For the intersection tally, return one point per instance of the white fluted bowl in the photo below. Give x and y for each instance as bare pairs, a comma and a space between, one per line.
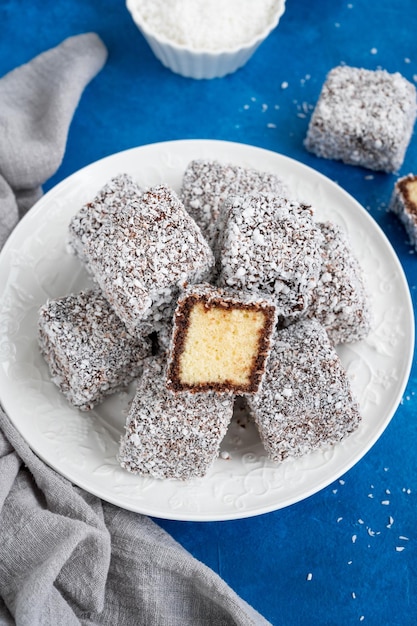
193, 62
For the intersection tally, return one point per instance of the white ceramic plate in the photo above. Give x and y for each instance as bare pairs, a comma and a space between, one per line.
34, 266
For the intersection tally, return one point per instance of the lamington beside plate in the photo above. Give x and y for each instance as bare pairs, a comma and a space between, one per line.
363, 117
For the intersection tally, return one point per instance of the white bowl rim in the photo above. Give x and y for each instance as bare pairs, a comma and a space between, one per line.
255, 41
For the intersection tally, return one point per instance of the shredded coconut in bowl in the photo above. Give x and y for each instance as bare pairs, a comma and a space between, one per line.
208, 24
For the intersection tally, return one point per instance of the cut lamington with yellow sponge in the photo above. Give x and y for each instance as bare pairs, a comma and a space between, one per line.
404, 205
221, 340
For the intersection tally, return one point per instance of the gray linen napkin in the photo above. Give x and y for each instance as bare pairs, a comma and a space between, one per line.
66, 557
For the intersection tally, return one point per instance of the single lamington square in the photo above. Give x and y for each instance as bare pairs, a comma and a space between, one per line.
207, 184
340, 301
271, 245
221, 341
404, 205
114, 197
305, 401
88, 349
169, 435
141, 258
363, 117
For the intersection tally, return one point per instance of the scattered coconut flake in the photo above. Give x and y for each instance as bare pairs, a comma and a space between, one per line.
354, 537
399, 548
284, 85
309, 576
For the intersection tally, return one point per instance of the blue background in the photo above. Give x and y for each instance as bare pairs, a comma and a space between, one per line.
134, 101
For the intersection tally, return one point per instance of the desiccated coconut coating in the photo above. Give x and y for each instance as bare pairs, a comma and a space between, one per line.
114, 197
404, 205
170, 435
221, 340
142, 256
305, 401
88, 349
271, 245
340, 302
363, 117
206, 185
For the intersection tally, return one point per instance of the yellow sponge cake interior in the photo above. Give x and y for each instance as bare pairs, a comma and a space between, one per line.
219, 343
408, 188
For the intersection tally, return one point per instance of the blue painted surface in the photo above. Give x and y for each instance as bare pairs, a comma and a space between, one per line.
134, 101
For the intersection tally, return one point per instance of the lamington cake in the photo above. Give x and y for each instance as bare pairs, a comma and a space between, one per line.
114, 197
140, 258
305, 401
272, 245
88, 349
207, 184
169, 435
363, 117
221, 340
404, 205
340, 301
